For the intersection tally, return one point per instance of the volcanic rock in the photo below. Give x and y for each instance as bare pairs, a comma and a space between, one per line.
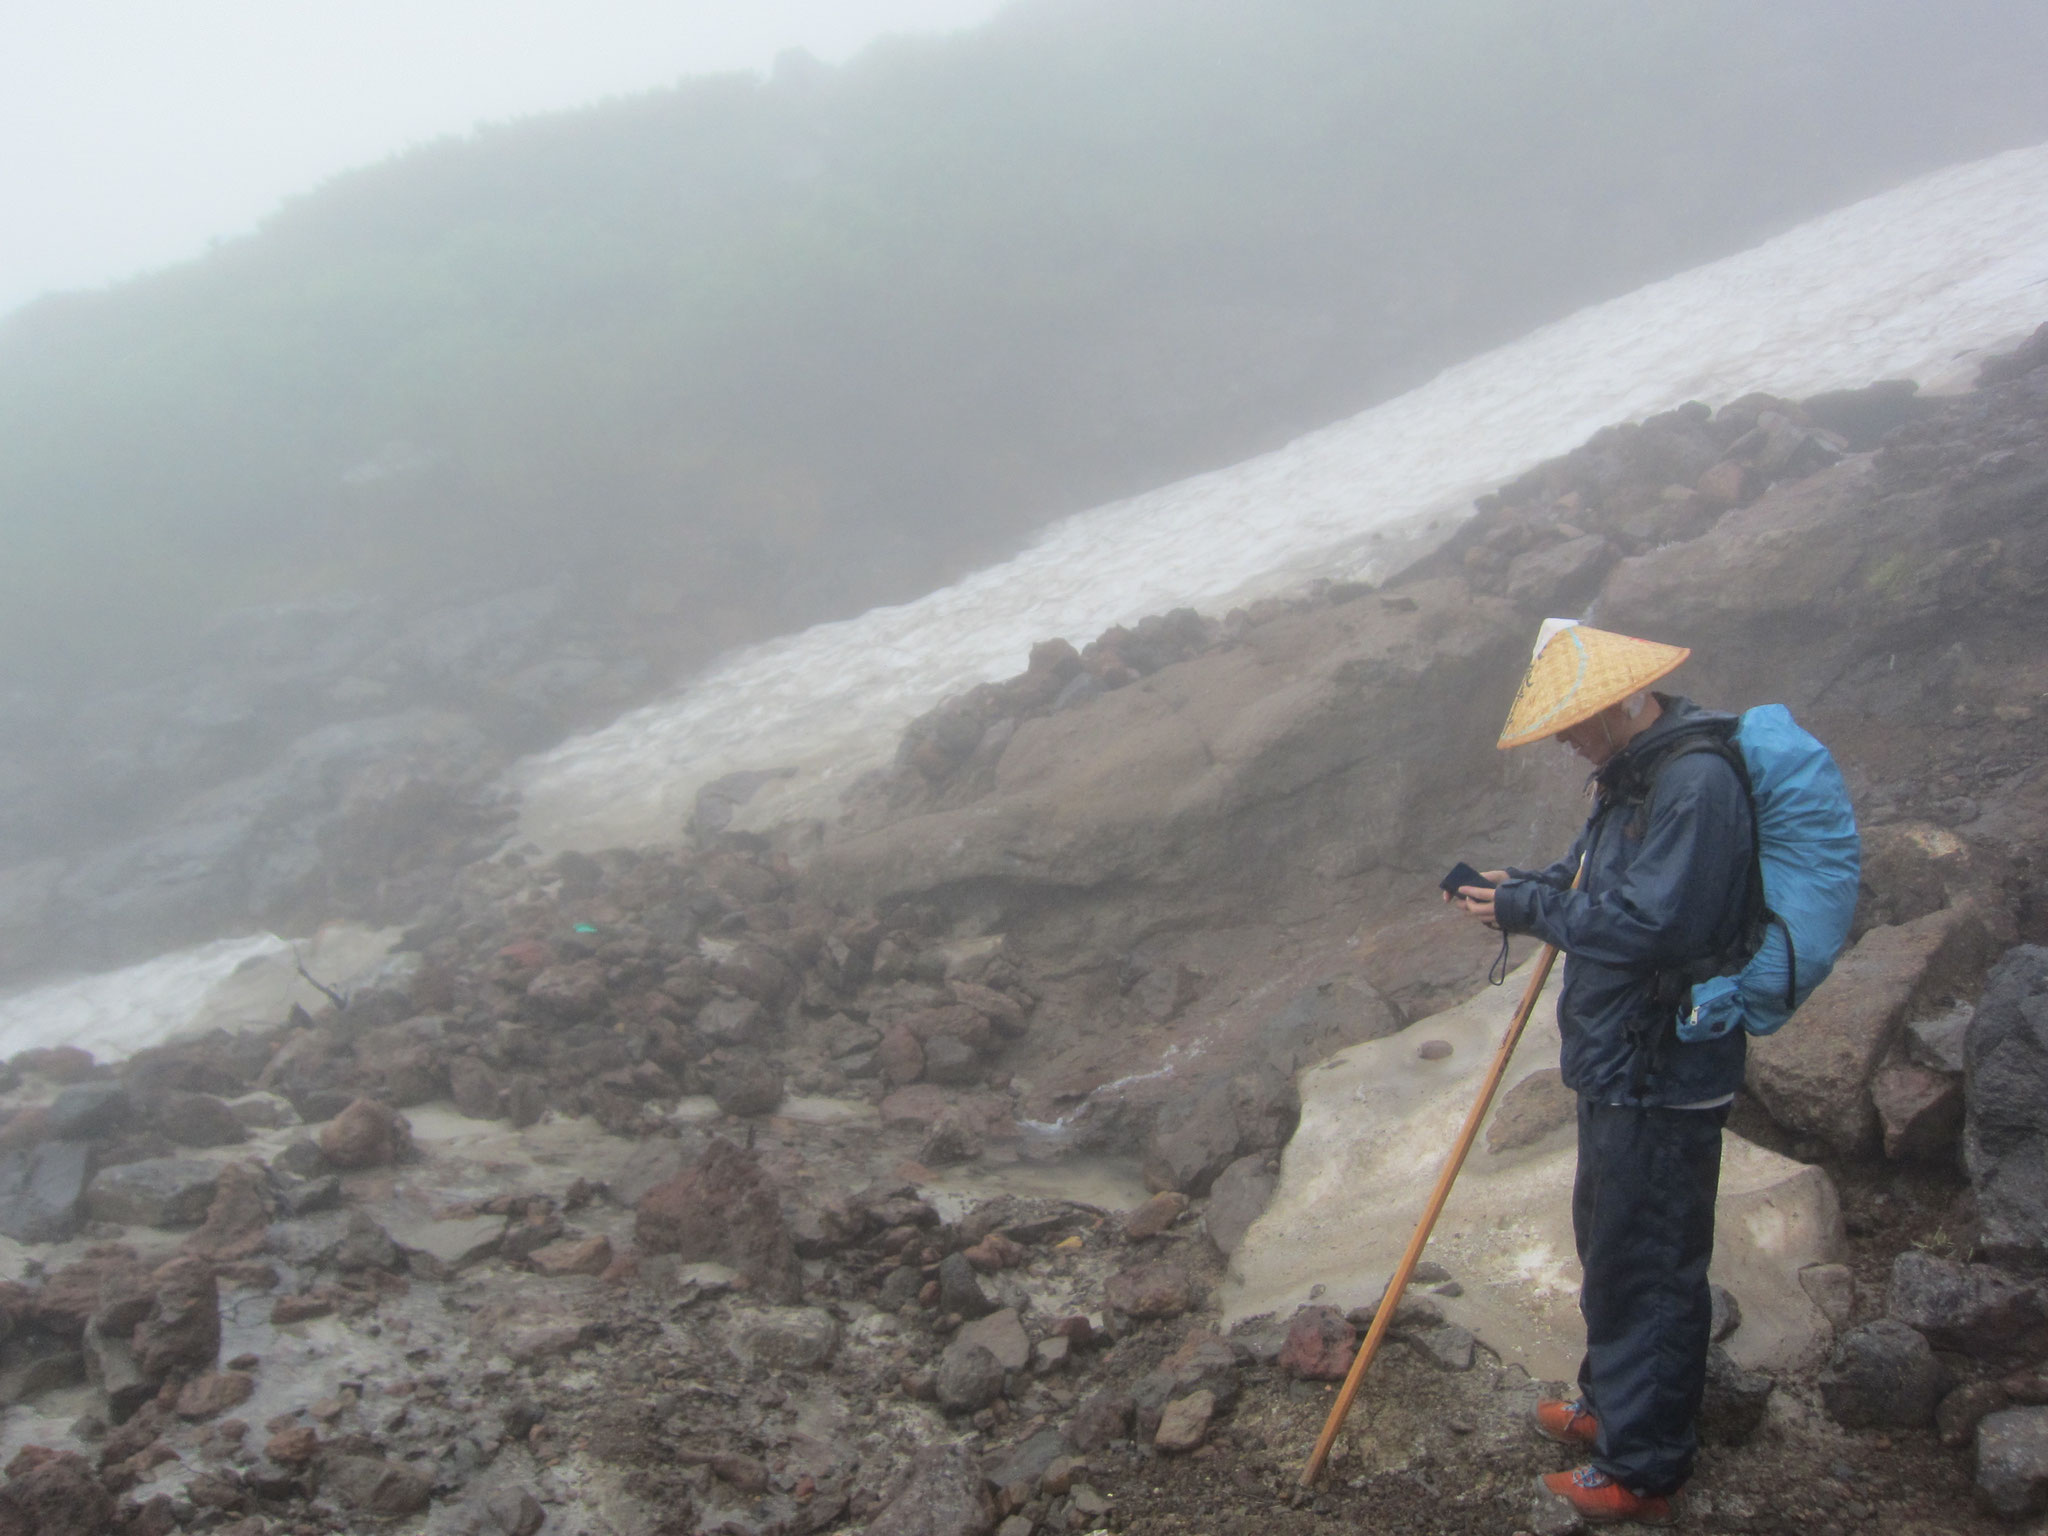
57, 1496
386, 1489
1320, 1344
1883, 1375
970, 1378
1975, 1308
156, 1192
1149, 1291
1184, 1424
1920, 1111
2012, 1461
945, 1496
41, 1189
2005, 1131
725, 1210
366, 1134
1236, 1200
199, 1120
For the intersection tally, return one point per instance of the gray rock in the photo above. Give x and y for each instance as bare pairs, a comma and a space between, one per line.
156, 1192
969, 1378
1446, 1346
1197, 1135
199, 1120
790, 1339
1938, 1043
86, 1111
1733, 1408
1919, 1110
435, 1247
746, 1083
41, 1188
1975, 1308
1832, 1288
960, 1291
1883, 1375
1184, 1424
945, 1496
1550, 1515
1023, 1465
2005, 1128
375, 1486
110, 1365
1001, 1333
1236, 1200
1956, 1420
1727, 1313
2012, 1461
1815, 1080
365, 1245
1537, 1105
952, 1061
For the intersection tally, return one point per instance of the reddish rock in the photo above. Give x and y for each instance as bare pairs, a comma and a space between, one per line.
725, 1210
54, 1495
1155, 1215
575, 1256
900, 1055
1320, 1344
1004, 1013
1150, 1290
994, 1252
293, 1447
569, 992
1103, 1418
365, 1135
237, 1223
299, 1309
182, 1331
77, 1291
214, 1392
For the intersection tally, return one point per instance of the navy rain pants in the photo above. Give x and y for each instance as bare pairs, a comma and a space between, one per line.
1643, 1217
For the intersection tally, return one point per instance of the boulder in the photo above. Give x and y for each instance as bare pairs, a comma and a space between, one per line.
2005, 1124
156, 1192
1883, 1375
1002, 1334
1184, 1424
1154, 1216
110, 1365
1919, 1111
366, 1134
1197, 1135
2012, 1461
1976, 1309
1814, 1078
56, 1494
1149, 1291
199, 1120
969, 1378
1537, 1105
181, 1333
746, 1083
41, 1188
1320, 1344
945, 1495
237, 1224
1103, 1418
960, 1293
570, 992
475, 1089
1733, 1407
790, 1339
212, 1393
89, 1111
1236, 1198
725, 1210
374, 1486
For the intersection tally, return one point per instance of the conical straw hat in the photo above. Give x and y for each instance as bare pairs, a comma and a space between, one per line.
1577, 672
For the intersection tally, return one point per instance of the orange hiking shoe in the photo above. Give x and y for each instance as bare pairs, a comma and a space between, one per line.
1567, 1423
1600, 1500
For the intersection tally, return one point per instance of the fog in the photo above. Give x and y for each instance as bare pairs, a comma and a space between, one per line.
485, 436
139, 133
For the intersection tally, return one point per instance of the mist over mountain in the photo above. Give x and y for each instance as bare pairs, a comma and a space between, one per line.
733, 357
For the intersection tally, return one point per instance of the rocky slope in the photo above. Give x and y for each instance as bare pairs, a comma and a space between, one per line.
888, 1175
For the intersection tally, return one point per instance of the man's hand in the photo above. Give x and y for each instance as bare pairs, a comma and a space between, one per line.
1476, 901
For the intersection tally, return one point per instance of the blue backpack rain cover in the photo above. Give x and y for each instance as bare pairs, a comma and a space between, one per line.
1812, 868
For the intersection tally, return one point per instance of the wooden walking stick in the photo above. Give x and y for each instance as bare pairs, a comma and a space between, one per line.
1391, 1301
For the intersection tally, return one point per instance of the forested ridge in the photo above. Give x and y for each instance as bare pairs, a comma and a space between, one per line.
742, 354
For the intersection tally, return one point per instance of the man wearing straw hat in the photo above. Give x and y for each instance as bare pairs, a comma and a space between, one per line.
1662, 883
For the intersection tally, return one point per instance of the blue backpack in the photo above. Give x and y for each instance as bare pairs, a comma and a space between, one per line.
1808, 866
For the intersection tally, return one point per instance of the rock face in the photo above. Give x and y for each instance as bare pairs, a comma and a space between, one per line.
725, 1210
1814, 1076
1883, 1375
945, 1496
1320, 1345
2005, 1131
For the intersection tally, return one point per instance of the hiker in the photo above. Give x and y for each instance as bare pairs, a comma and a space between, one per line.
1666, 885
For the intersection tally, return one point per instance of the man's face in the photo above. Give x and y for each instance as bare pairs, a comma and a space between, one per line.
1591, 739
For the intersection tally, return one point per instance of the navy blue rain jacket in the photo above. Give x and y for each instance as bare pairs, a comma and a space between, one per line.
1665, 885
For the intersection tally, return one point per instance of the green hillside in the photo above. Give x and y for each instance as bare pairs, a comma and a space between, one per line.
745, 354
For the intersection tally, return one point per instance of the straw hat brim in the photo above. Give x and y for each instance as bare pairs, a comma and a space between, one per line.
1580, 672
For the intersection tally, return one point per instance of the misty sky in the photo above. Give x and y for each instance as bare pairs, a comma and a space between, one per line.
133, 132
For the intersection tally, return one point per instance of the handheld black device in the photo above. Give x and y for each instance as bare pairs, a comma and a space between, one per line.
1464, 874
